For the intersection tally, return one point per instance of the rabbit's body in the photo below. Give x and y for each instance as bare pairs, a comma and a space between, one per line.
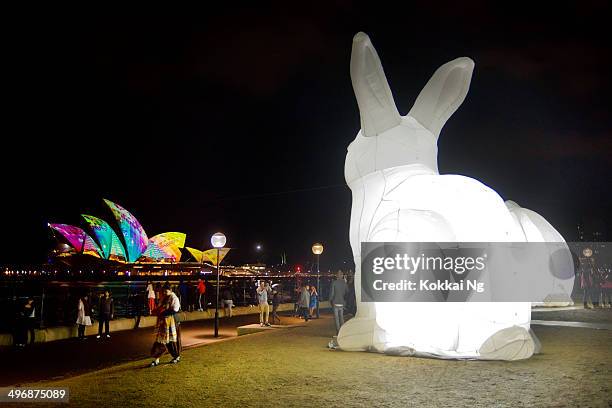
398, 196
417, 205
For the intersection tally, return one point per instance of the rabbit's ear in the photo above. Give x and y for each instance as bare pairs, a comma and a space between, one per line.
443, 94
376, 105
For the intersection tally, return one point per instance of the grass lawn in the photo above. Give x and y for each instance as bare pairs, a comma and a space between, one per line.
293, 368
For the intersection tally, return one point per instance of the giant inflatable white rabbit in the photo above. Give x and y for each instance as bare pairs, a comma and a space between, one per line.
399, 196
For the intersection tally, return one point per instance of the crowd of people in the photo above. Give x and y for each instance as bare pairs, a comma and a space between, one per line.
165, 301
162, 302
341, 299
192, 297
596, 284
306, 305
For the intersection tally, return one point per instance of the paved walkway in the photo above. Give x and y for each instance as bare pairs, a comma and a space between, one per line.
585, 325
65, 358
556, 309
573, 315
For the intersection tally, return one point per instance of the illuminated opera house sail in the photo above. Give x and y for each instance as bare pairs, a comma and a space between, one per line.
133, 246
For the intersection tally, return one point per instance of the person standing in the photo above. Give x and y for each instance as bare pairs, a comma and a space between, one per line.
276, 300
83, 316
106, 311
166, 330
201, 295
599, 277
228, 301
606, 287
296, 305
587, 270
304, 302
172, 309
22, 323
262, 301
183, 290
193, 296
20, 333
29, 314
150, 297
314, 298
337, 297
607, 293
159, 293
351, 300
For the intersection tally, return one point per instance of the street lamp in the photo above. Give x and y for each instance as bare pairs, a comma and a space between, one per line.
218, 241
317, 249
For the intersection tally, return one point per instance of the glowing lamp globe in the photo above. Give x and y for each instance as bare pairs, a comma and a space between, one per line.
588, 252
317, 249
218, 240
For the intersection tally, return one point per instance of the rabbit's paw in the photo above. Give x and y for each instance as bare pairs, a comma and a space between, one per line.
361, 334
511, 343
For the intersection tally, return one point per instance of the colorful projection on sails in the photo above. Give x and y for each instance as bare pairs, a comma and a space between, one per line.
196, 253
134, 235
170, 238
165, 246
209, 255
78, 239
134, 247
107, 238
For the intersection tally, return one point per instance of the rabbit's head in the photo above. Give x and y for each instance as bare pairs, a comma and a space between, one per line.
386, 138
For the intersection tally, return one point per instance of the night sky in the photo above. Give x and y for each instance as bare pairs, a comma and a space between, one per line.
238, 119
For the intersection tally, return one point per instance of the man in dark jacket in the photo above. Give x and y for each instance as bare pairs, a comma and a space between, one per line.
337, 296
184, 295
23, 319
106, 311
587, 279
304, 302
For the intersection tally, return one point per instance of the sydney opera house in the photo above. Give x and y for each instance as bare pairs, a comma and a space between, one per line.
129, 244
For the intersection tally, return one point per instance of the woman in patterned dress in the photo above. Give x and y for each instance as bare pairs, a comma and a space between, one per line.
165, 334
